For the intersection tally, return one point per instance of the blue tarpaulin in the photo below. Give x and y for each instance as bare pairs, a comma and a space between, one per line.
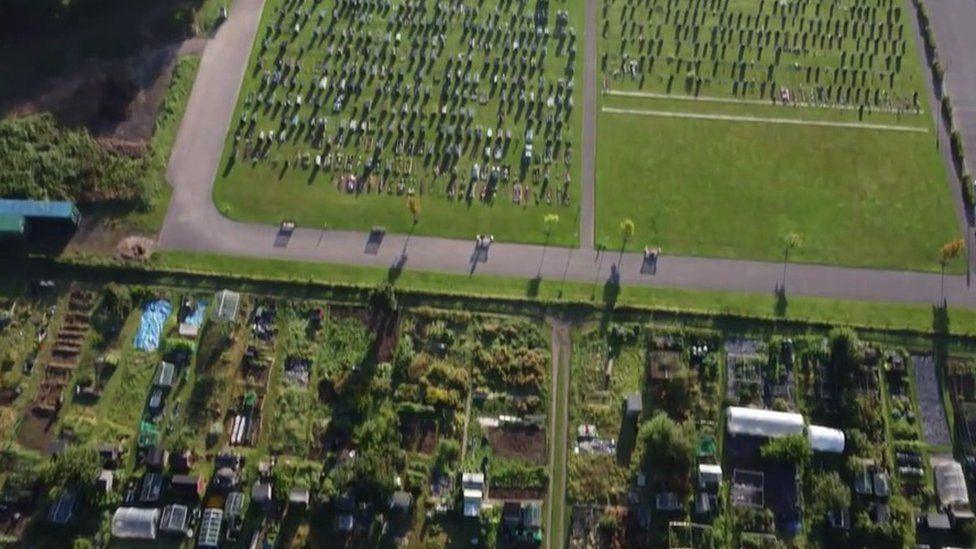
196, 317
154, 315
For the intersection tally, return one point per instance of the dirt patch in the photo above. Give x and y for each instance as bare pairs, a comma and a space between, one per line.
419, 435
8, 396
135, 248
526, 443
36, 432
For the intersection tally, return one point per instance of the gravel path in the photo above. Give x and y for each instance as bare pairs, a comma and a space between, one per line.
766, 120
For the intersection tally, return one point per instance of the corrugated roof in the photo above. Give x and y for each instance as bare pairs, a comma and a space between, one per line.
47, 209
12, 224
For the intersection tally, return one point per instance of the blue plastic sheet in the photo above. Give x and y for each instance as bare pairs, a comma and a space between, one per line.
154, 315
196, 317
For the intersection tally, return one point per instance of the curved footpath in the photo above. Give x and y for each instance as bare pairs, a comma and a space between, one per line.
193, 222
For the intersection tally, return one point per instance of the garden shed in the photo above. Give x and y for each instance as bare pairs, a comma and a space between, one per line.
709, 476
763, 423
134, 523
20, 217
825, 439
634, 404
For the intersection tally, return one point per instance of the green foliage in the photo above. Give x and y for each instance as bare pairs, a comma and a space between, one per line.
843, 348
178, 345
793, 449
596, 479
75, 469
515, 474
44, 161
828, 492
899, 531
668, 449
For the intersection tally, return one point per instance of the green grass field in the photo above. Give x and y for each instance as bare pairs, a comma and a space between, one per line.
734, 189
284, 182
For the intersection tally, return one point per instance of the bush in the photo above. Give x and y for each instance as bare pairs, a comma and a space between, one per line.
513, 474
45, 161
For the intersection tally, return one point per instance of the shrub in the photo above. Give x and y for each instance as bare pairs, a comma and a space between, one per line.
45, 161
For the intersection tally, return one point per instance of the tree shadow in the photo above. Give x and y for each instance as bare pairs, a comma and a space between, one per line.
781, 302
611, 292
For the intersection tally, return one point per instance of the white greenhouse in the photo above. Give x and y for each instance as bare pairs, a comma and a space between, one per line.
134, 523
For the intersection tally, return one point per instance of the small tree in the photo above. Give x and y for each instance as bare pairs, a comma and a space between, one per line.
668, 450
413, 206
549, 221
791, 241
627, 229
949, 251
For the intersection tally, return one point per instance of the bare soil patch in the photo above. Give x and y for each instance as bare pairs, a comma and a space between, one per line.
526, 443
419, 435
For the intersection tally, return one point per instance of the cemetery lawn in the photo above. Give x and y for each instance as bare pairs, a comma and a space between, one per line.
268, 192
733, 189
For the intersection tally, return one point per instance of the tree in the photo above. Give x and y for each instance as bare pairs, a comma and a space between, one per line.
949, 251
791, 241
667, 448
550, 221
75, 469
843, 348
627, 229
413, 206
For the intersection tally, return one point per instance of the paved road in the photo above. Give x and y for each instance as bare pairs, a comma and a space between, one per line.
193, 223
588, 175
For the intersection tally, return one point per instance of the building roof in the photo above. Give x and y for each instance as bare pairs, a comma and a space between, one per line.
299, 495
710, 473
40, 209
210, 528
261, 492
400, 500
134, 523
825, 439
634, 403
12, 224
763, 423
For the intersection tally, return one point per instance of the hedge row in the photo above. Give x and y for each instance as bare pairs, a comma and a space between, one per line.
938, 74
